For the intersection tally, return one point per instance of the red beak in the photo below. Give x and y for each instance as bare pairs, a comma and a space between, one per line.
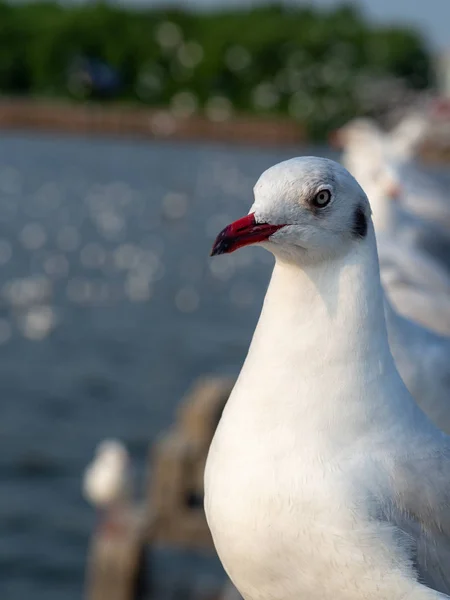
241, 233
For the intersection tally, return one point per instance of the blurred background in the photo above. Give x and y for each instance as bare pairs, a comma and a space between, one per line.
110, 307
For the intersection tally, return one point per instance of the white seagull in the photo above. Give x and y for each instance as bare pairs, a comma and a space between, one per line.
415, 282
324, 480
367, 151
421, 244
107, 482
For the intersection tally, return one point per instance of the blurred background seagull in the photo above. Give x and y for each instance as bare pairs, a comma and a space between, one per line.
107, 483
370, 153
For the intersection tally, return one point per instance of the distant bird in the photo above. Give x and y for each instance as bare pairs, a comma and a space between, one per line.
324, 480
107, 482
423, 195
368, 150
415, 280
400, 145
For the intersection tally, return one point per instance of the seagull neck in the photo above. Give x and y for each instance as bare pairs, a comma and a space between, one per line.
324, 315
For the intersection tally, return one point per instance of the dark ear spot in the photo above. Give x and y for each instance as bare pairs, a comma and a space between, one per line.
359, 227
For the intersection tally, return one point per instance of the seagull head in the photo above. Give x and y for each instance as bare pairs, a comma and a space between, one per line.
305, 209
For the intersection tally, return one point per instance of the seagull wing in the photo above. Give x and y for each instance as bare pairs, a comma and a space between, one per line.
419, 505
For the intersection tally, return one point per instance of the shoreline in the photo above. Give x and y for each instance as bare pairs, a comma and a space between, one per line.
57, 116
126, 121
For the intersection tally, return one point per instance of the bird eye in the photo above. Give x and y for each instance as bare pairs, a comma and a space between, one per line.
321, 199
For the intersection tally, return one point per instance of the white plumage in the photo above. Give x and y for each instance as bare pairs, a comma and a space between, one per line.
324, 479
107, 480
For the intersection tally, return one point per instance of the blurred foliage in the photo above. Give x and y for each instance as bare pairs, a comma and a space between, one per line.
307, 63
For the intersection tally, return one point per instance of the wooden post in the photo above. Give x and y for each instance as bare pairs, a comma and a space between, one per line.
116, 567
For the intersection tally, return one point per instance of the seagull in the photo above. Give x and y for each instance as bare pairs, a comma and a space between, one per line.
419, 220
401, 144
107, 484
369, 151
416, 283
422, 207
424, 197
324, 479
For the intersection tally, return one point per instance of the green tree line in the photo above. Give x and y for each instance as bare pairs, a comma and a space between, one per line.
307, 63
